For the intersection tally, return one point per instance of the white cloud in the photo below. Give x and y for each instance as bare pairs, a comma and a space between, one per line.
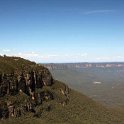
120, 57
48, 56
110, 58
28, 54
6, 50
62, 57
36, 56
103, 58
68, 57
76, 55
97, 12
84, 55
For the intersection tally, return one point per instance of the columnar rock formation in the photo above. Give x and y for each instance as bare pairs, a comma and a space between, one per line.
27, 83
24, 86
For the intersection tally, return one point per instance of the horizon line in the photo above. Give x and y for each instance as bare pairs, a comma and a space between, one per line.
78, 62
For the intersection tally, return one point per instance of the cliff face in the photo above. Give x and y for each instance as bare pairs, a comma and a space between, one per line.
26, 81
62, 66
18, 74
12, 84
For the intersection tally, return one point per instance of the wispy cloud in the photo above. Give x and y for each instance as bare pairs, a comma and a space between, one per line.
103, 58
98, 12
110, 58
120, 57
6, 50
68, 57
39, 57
28, 54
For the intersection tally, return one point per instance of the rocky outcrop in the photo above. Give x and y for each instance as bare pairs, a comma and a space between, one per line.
24, 86
12, 84
27, 83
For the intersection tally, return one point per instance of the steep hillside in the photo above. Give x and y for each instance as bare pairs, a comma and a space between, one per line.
29, 94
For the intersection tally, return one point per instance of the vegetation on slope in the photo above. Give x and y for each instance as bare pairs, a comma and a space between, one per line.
80, 109
66, 107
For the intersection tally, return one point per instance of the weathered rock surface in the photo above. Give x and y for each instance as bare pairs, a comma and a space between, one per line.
22, 90
11, 84
27, 83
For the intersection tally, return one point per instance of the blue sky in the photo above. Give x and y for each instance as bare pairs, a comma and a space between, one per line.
63, 30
